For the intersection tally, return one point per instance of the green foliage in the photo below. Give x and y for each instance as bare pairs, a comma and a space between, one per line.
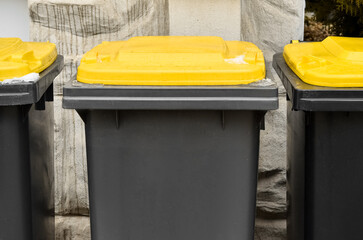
344, 16
352, 7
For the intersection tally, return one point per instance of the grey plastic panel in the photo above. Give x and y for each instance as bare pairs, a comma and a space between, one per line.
324, 156
15, 198
159, 170
161, 175
78, 95
308, 97
296, 156
324, 178
26, 173
26, 159
41, 134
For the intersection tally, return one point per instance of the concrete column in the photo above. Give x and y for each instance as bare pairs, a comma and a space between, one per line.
272, 24
14, 19
206, 18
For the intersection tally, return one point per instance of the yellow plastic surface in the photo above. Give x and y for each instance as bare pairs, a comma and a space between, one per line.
18, 58
334, 62
172, 61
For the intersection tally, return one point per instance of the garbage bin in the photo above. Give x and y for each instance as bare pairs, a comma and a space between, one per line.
324, 84
172, 132
26, 159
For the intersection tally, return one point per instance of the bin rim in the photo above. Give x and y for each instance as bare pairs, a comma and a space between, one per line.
30, 93
85, 96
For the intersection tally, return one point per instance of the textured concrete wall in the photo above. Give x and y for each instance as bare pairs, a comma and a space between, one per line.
78, 25
272, 24
206, 17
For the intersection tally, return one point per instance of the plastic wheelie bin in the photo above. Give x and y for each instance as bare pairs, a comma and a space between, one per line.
172, 132
26, 139
324, 84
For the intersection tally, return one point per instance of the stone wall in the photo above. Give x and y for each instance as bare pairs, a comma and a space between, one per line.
206, 17
271, 24
78, 25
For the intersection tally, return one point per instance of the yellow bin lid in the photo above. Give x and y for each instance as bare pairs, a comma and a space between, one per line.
334, 62
18, 58
172, 61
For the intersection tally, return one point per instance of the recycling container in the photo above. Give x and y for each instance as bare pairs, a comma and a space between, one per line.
26, 140
324, 84
172, 131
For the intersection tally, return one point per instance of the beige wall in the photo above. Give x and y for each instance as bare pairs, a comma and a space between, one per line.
206, 17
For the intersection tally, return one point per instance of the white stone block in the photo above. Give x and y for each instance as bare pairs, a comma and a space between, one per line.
206, 18
72, 228
271, 24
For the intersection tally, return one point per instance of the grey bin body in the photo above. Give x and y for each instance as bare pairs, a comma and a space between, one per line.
171, 162
324, 144
26, 159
